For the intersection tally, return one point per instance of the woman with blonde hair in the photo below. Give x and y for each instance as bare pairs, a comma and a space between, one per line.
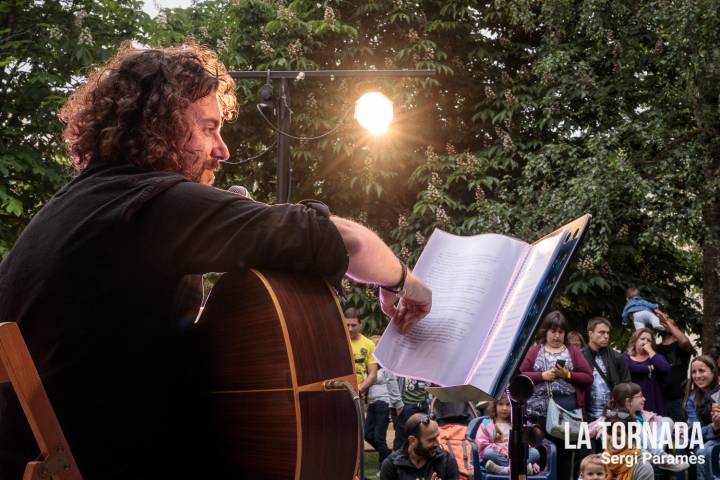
646, 367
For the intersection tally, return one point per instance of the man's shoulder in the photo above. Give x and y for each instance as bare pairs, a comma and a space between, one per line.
398, 457
445, 460
674, 345
616, 354
362, 345
366, 342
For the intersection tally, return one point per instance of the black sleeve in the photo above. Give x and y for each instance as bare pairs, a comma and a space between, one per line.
622, 367
193, 228
387, 470
451, 469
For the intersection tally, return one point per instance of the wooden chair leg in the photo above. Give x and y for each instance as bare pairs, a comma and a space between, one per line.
17, 367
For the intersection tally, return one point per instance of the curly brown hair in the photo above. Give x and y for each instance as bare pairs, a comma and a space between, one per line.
132, 109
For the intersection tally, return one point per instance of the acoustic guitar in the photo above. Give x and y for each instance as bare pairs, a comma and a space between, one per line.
271, 341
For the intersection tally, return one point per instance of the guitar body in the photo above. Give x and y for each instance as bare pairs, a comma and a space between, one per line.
271, 339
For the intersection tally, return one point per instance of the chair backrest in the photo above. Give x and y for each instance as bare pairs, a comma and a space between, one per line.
550, 454
547, 473
714, 461
17, 367
472, 428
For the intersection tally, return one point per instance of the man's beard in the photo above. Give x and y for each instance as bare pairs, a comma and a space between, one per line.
421, 451
196, 169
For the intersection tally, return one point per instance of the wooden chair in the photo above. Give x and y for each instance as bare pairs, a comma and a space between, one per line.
17, 367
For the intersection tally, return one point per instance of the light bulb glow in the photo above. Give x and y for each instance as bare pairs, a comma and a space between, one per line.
374, 112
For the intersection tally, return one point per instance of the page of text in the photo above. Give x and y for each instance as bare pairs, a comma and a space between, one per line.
469, 277
501, 341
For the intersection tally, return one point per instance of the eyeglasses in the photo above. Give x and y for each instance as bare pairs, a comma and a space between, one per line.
617, 414
425, 420
412, 428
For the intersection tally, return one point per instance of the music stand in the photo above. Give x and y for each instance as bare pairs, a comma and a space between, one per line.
520, 388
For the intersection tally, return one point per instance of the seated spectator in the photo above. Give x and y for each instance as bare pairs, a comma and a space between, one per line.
625, 460
492, 440
631, 468
552, 365
593, 468
415, 399
421, 456
575, 339
647, 367
628, 403
701, 407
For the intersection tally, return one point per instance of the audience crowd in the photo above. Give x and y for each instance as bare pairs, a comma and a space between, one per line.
656, 381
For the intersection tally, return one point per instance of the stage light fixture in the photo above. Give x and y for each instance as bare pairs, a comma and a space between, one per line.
374, 111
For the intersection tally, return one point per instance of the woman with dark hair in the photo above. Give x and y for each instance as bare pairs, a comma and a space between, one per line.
701, 405
627, 405
554, 366
647, 367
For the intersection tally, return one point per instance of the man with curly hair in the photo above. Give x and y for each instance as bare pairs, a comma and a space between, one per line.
103, 280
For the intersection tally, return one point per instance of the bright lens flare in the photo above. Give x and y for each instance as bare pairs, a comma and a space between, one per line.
374, 112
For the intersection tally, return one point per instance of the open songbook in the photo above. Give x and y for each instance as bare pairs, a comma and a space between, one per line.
489, 293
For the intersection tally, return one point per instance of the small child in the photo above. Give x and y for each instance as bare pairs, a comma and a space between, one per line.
640, 311
592, 467
492, 440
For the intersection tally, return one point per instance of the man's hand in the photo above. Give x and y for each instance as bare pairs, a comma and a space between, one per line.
664, 318
412, 306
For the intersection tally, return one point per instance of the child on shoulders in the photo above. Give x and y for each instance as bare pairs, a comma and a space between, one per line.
640, 311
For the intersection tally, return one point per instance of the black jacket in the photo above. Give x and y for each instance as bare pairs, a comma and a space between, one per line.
617, 370
398, 466
104, 284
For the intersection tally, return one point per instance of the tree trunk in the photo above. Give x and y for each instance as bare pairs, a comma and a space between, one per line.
711, 280
708, 117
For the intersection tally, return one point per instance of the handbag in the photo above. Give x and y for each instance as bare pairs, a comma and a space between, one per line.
559, 419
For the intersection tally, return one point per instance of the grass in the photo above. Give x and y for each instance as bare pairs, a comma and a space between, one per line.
371, 464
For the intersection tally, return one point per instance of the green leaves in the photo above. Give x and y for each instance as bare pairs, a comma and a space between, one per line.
539, 112
39, 62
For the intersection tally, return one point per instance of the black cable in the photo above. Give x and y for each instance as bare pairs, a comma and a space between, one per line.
342, 120
357, 401
245, 160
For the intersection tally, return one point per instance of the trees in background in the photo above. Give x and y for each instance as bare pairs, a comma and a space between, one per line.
539, 112
45, 47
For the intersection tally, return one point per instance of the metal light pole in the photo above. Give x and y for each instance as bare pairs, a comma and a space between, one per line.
282, 104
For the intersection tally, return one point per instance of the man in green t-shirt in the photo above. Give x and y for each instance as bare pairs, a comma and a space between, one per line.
366, 366
415, 400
